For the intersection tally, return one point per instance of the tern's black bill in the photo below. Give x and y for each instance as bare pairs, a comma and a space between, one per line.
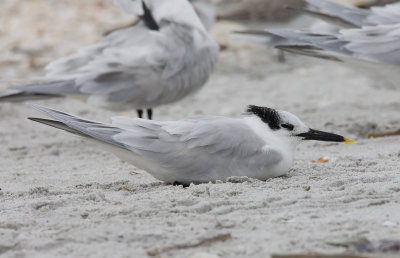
324, 136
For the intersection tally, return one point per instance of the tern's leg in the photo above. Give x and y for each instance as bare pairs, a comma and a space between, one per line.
140, 113
149, 113
182, 184
281, 56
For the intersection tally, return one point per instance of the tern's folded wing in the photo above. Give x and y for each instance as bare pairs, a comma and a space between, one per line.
203, 149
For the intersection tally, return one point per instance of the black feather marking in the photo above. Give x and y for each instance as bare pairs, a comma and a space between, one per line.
108, 77
148, 18
268, 115
308, 50
57, 124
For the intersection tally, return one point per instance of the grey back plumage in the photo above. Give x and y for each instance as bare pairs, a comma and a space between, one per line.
201, 149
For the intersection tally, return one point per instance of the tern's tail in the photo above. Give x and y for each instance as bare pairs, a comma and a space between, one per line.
40, 90
99, 132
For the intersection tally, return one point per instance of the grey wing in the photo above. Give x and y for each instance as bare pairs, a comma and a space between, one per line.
198, 150
134, 66
389, 14
376, 43
72, 64
336, 13
66, 75
159, 69
265, 37
311, 44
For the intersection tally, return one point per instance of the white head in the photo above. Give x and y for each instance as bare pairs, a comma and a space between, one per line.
180, 11
288, 126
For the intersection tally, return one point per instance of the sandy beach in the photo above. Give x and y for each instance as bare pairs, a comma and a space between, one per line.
63, 197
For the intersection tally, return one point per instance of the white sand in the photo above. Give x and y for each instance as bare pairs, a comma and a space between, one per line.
63, 197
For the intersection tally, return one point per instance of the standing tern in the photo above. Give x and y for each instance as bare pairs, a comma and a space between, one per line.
259, 145
162, 59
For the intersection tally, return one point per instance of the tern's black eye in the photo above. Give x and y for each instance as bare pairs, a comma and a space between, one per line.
290, 127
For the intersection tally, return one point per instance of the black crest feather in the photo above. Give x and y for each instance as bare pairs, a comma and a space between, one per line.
268, 115
149, 19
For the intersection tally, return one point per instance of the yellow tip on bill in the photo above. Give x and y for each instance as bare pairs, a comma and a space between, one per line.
348, 140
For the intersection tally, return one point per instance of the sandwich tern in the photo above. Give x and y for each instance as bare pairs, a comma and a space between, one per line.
259, 145
162, 59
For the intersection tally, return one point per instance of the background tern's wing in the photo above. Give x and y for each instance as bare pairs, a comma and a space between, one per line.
130, 64
102, 68
147, 71
376, 43
262, 37
311, 44
74, 62
336, 13
389, 14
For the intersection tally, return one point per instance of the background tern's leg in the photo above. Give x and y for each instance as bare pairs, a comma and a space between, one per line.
149, 113
140, 113
281, 56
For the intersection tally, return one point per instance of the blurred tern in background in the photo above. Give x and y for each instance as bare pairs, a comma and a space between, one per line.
260, 145
352, 17
371, 44
162, 59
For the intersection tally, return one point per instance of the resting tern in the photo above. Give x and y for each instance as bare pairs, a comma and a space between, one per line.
162, 59
259, 145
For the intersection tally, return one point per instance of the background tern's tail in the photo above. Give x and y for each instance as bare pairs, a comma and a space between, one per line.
40, 90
